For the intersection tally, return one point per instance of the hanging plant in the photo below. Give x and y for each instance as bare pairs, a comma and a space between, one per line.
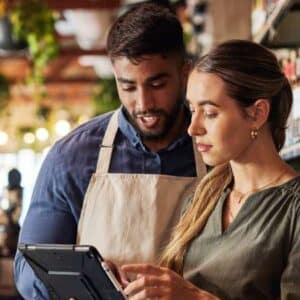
43, 112
105, 97
4, 92
33, 22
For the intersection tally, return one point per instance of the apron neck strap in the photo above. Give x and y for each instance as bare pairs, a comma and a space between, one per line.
106, 147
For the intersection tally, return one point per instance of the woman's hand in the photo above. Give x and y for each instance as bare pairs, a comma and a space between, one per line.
118, 272
154, 282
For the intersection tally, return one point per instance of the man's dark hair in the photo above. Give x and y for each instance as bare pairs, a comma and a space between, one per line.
147, 28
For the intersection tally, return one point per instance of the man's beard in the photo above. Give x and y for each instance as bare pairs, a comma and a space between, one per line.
169, 120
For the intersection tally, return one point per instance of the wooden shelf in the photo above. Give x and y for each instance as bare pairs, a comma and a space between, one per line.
78, 4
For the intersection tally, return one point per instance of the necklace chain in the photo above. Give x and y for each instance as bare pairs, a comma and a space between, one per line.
244, 195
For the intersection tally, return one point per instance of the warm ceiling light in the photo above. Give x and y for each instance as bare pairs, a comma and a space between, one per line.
62, 127
42, 134
90, 26
3, 138
29, 138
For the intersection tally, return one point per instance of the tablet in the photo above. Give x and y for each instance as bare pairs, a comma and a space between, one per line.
74, 272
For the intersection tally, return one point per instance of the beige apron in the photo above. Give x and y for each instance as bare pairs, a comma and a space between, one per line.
129, 217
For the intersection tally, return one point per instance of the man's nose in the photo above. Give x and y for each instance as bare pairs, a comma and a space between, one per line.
145, 100
196, 127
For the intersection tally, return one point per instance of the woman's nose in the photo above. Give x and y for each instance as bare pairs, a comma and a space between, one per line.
196, 128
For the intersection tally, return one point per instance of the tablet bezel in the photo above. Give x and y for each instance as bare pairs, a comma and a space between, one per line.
51, 264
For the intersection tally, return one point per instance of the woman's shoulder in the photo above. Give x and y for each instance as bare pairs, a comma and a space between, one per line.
292, 186
290, 191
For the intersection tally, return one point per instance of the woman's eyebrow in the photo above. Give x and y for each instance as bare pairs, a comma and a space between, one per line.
204, 102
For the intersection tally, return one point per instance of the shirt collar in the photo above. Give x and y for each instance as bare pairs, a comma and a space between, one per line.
127, 129
135, 139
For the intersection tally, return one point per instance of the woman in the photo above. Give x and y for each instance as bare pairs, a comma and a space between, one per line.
240, 236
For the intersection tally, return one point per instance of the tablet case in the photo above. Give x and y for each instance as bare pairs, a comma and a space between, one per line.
72, 272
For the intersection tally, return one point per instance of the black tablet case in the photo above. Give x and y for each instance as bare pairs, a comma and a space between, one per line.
71, 272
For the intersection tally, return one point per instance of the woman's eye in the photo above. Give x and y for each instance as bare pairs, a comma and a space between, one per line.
210, 115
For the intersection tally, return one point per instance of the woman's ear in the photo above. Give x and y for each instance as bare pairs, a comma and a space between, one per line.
259, 112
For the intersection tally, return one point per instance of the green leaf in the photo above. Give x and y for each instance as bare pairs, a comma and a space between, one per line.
33, 22
105, 98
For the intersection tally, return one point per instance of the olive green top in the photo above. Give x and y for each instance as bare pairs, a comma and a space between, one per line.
258, 256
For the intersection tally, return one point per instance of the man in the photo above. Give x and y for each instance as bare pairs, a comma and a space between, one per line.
118, 181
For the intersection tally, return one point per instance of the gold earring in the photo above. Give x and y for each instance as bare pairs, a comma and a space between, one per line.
254, 134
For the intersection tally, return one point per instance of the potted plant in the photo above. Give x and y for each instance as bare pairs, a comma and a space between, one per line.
7, 41
33, 22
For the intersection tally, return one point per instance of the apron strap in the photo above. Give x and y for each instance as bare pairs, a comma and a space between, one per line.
200, 165
106, 147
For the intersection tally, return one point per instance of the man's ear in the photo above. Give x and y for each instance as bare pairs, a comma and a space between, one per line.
259, 112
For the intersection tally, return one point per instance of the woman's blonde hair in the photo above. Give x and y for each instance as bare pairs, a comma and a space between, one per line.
250, 72
193, 220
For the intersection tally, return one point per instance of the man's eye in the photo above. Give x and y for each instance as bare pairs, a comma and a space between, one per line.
128, 88
158, 84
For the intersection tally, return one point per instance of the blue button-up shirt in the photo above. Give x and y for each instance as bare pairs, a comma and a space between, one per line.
58, 195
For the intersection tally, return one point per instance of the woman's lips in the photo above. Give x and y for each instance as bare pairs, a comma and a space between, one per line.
203, 147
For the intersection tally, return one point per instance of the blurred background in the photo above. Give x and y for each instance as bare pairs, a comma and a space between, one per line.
55, 75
